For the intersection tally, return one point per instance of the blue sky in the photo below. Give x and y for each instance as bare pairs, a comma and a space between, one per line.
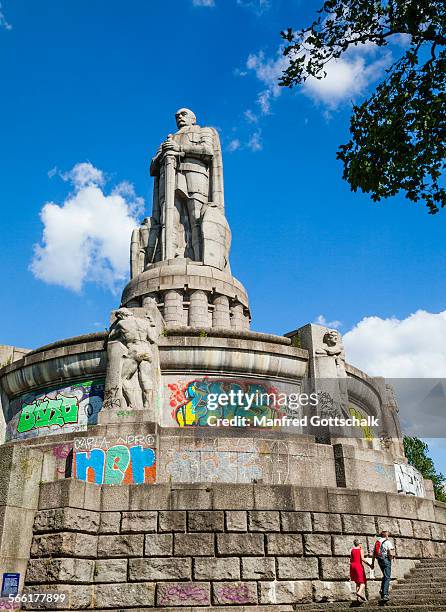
99, 82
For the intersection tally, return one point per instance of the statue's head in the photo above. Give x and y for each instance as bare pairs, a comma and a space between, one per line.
123, 313
331, 338
185, 116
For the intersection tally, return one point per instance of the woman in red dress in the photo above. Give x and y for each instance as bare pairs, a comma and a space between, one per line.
357, 572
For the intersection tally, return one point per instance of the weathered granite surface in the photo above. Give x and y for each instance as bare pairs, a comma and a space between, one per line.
160, 546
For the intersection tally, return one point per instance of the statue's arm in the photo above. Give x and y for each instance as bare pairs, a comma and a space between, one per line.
203, 148
114, 333
155, 163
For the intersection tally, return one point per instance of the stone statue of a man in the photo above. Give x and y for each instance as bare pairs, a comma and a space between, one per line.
138, 248
188, 218
333, 345
138, 336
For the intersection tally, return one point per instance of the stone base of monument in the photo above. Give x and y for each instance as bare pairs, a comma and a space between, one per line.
212, 545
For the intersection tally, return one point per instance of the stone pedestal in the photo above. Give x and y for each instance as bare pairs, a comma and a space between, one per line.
191, 293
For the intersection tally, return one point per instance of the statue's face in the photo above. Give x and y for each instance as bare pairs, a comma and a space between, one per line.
331, 338
122, 313
184, 116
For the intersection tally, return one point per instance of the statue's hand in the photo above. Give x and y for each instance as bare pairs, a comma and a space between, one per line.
170, 145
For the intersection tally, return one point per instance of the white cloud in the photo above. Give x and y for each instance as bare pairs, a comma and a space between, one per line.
3, 22
267, 71
256, 6
347, 77
255, 141
203, 2
83, 174
250, 116
408, 348
234, 145
87, 237
321, 320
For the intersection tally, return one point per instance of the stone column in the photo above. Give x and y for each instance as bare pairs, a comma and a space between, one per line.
246, 320
220, 316
237, 316
173, 307
199, 309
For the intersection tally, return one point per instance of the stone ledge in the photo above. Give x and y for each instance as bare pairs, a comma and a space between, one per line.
241, 497
87, 343
227, 332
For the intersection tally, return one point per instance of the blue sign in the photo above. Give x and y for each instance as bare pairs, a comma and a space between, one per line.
10, 584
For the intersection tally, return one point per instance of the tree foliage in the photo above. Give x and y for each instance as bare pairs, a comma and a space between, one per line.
398, 135
416, 452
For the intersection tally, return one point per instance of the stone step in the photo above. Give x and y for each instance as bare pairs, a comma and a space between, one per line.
422, 578
415, 596
405, 588
420, 588
423, 572
433, 569
420, 583
439, 571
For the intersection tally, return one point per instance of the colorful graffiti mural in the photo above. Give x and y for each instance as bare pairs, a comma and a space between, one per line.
368, 432
55, 410
115, 461
191, 406
45, 412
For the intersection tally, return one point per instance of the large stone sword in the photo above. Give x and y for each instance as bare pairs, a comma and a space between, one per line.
169, 204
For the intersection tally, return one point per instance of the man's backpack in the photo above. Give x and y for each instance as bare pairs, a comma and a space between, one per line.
378, 552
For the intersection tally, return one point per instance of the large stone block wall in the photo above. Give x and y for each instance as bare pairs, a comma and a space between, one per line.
217, 546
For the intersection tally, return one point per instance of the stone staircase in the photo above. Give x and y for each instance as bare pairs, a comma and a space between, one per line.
423, 589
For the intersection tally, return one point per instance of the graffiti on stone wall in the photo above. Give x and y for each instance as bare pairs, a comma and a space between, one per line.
242, 460
190, 404
182, 594
214, 466
237, 594
61, 454
367, 432
55, 410
115, 460
409, 480
384, 471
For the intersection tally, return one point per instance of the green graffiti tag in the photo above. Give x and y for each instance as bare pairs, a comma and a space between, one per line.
45, 412
116, 463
